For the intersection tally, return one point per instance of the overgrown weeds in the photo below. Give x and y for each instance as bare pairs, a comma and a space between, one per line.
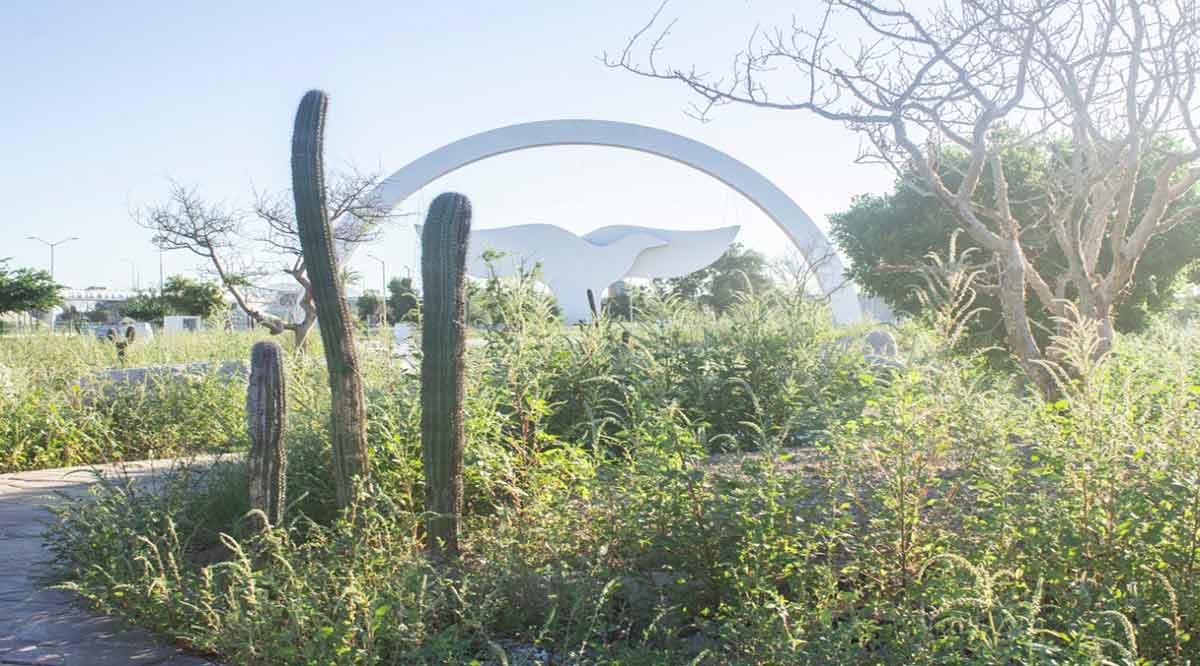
742, 490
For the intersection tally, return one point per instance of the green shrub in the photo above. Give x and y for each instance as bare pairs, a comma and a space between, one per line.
61, 412
931, 514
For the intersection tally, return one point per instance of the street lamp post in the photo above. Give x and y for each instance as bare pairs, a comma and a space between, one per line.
52, 246
133, 275
383, 291
50, 314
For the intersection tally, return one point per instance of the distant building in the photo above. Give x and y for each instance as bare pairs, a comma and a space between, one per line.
93, 298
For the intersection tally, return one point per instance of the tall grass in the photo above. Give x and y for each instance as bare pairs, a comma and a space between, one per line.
693, 490
61, 410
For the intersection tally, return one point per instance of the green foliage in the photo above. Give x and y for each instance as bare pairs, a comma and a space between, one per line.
26, 289
402, 300
145, 306
625, 300
738, 271
742, 490
180, 296
368, 305
497, 301
887, 238
186, 296
63, 411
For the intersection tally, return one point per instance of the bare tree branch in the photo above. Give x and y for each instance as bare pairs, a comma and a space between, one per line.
1111, 80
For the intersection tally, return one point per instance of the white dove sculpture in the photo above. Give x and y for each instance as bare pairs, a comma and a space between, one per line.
683, 252
571, 266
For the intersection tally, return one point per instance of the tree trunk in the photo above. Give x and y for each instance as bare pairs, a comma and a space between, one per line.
1016, 318
301, 331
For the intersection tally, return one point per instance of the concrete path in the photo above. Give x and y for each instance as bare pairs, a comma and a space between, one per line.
48, 627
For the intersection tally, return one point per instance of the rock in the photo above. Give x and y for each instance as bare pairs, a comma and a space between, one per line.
882, 343
520, 654
107, 384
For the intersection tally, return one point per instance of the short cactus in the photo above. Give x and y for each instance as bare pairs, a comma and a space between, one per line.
443, 343
348, 432
266, 419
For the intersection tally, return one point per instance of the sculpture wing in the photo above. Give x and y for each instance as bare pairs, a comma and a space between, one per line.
522, 246
684, 252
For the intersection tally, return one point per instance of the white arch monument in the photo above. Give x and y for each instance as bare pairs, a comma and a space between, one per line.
578, 132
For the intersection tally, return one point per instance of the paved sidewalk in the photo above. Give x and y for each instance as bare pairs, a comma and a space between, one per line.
48, 627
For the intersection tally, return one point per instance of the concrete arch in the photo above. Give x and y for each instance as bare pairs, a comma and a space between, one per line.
777, 205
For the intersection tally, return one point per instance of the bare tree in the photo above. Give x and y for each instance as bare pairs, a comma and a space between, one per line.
223, 236
347, 194
1109, 79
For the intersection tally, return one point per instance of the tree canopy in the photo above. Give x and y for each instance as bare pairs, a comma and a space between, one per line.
888, 236
146, 306
180, 296
186, 296
368, 304
26, 289
718, 286
1115, 81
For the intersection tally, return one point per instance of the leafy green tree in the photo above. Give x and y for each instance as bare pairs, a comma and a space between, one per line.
146, 306
185, 296
25, 289
624, 300
180, 296
888, 236
368, 305
402, 301
718, 286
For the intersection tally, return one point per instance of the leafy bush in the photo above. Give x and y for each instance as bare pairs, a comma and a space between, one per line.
61, 410
642, 499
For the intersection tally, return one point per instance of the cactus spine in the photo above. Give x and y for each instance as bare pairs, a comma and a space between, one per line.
443, 342
348, 433
266, 417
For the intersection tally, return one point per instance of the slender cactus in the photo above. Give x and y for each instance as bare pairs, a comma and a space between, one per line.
266, 417
443, 342
348, 432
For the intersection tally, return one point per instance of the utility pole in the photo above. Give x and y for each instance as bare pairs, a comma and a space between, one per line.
52, 246
50, 314
383, 292
133, 281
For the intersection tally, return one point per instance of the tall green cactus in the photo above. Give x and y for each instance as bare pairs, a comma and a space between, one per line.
443, 342
266, 418
348, 428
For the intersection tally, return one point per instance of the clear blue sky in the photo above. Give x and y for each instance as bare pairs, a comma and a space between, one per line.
104, 104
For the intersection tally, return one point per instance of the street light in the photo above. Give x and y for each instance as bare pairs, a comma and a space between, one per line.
383, 293
52, 246
133, 275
